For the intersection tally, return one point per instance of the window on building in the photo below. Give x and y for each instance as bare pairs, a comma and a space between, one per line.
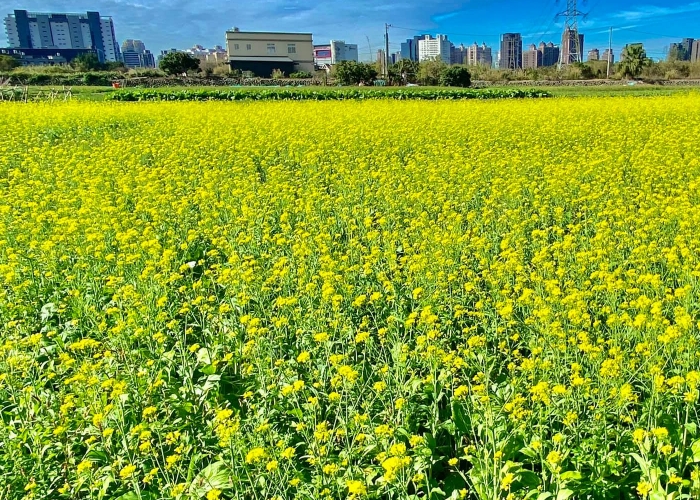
270, 48
248, 46
291, 48
236, 46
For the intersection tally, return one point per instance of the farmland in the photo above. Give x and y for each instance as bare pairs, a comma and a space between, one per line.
277, 300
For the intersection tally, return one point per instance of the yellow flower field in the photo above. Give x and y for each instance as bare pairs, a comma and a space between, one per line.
395, 300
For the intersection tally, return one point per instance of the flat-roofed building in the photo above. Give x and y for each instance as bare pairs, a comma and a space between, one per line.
263, 52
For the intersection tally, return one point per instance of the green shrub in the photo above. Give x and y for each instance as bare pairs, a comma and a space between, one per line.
323, 95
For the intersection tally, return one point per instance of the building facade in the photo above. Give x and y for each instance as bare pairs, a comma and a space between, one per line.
44, 57
323, 56
409, 48
571, 47
593, 55
36, 30
341, 51
608, 55
532, 57
263, 52
135, 55
431, 48
550, 54
478, 55
695, 53
458, 54
682, 51
511, 54
217, 55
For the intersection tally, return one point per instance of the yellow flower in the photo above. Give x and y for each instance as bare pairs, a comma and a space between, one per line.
272, 465
303, 357
127, 471
644, 488
214, 494
554, 457
255, 455
84, 466
507, 480
288, 453
356, 488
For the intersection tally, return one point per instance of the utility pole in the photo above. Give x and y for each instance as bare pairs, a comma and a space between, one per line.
571, 15
610, 52
386, 50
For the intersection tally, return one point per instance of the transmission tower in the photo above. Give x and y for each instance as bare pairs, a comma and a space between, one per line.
571, 45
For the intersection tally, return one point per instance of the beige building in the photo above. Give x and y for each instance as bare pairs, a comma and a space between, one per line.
263, 52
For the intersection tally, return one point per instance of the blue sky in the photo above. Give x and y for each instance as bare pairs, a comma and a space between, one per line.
182, 23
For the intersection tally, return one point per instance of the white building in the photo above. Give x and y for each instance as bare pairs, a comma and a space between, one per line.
431, 48
341, 51
50, 30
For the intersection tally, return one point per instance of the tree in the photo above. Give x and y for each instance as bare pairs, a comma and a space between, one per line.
407, 70
634, 60
8, 63
352, 73
87, 62
430, 71
177, 63
455, 76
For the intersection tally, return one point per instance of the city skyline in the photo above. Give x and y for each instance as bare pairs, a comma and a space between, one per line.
183, 23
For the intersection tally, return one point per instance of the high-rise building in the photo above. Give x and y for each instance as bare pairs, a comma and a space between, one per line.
341, 51
409, 48
458, 54
593, 55
695, 53
135, 55
41, 30
381, 61
511, 51
431, 48
571, 47
682, 51
608, 55
478, 55
550, 54
687, 45
532, 58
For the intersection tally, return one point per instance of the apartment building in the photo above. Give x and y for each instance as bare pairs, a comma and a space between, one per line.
532, 58
695, 53
594, 55
431, 48
550, 54
571, 47
511, 54
51, 30
608, 55
263, 52
478, 55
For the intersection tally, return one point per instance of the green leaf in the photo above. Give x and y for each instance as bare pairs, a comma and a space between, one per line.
461, 418
695, 448
545, 496
564, 494
214, 476
132, 495
529, 479
572, 476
